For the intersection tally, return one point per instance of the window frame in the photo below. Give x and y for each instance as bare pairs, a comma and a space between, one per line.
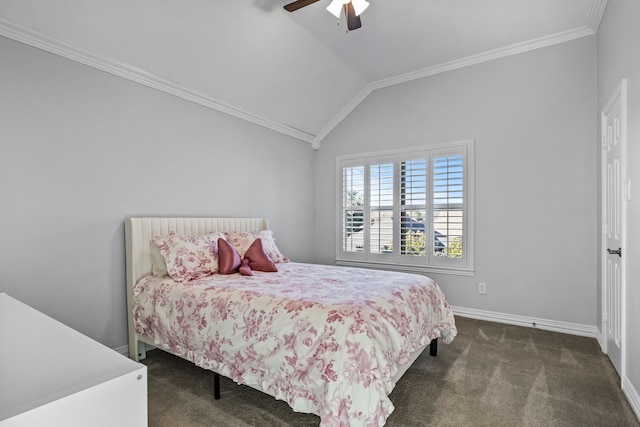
397, 261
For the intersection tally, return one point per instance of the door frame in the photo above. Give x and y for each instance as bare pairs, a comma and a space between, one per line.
619, 95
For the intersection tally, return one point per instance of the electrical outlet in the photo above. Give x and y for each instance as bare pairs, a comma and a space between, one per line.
482, 288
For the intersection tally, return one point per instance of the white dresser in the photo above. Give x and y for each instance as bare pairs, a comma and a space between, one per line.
52, 375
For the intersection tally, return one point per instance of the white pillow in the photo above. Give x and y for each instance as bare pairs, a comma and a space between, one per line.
158, 266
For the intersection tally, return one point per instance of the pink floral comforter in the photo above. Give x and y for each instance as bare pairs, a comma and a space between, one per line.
324, 339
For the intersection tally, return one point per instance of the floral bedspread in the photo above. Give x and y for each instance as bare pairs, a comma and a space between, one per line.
324, 339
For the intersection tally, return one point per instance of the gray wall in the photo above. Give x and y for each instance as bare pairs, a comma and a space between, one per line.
618, 40
80, 150
534, 121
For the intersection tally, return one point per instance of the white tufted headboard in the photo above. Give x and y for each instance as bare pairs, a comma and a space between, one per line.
140, 231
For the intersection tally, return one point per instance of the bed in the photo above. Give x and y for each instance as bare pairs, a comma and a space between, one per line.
328, 340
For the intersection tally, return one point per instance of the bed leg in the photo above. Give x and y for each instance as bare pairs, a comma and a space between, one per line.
216, 386
142, 351
433, 347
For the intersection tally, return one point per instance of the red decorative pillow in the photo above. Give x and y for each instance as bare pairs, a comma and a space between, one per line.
229, 258
258, 258
245, 270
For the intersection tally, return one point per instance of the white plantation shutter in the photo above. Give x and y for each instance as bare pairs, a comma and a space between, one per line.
381, 201
352, 208
448, 206
412, 208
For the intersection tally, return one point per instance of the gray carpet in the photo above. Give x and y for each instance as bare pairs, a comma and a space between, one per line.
491, 375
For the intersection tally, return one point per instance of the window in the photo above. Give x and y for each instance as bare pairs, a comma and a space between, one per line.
411, 208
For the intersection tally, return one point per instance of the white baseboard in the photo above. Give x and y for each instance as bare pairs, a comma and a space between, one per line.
600, 339
632, 395
531, 322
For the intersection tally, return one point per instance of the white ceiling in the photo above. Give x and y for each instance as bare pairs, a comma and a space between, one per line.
298, 73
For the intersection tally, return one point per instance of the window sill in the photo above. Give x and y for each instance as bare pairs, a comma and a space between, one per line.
406, 267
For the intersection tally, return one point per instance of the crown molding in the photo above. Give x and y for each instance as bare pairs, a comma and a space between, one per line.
597, 10
485, 57
595, 14
120, 69
344, 112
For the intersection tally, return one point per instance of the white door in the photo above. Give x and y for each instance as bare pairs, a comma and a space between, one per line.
614, 195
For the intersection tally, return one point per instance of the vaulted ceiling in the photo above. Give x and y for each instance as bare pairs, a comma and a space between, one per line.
297, 73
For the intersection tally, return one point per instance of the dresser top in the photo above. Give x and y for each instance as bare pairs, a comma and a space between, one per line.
43, 360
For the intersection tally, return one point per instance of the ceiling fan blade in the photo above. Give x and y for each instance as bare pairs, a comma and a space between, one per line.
353, 21
291, 7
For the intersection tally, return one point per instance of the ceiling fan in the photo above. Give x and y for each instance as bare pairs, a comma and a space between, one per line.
352, 9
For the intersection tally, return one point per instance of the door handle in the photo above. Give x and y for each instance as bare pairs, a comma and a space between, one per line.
614, 252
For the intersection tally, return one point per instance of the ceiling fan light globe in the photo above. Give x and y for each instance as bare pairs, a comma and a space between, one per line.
335, 7
359, 6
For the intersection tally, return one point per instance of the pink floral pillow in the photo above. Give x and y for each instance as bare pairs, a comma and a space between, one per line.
189, 257
242, 240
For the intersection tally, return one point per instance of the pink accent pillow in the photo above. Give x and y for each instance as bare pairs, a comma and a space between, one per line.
245, 270
189, 257
241, 240
229, 258
258, 258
